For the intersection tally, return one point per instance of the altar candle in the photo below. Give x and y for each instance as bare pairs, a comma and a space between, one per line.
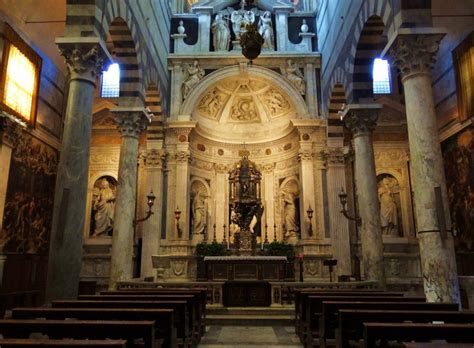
215, 209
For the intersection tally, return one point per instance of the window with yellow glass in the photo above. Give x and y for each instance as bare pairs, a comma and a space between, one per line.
21, 68
463, 58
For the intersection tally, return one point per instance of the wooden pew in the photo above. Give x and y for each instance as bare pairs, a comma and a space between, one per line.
314, 305
48, 343
328, 319
351, 320
192, 301
182, 320
81, 329
301, 299
202, 294
421, 332
163, 318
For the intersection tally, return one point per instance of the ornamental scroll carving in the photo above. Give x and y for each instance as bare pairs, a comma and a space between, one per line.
183, 156
155, 158
415, 53
244, 110
82, 61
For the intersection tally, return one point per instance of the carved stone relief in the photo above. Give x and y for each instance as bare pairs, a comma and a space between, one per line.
244, 110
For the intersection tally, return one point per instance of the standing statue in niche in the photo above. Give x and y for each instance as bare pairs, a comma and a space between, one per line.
193, 74
221, 34
104, 205
291, 224
199, 213
388, 207
265, 29
292, 72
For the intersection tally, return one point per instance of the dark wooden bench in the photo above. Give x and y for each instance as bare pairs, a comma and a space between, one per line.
192, 301
12, 299
351, 320
201, 292
182, 321
301, 299
329, 321
81, 329
47, 343
460, 333
163, 318
314, 308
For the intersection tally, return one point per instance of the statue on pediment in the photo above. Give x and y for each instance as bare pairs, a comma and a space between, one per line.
193, 74
221, 33
240, 18
265, 29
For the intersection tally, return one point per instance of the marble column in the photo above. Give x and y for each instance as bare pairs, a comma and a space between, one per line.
84, 60
361, 120
155, 163
131, 121
414, 52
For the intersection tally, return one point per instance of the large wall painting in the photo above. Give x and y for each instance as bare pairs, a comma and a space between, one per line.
30, 193
458, 153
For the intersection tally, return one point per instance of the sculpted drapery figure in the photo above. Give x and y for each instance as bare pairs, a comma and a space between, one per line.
265, 29
292, 72
193, 74
104, 206
291, 223
199, 213
221, 34
240, 19
388, 208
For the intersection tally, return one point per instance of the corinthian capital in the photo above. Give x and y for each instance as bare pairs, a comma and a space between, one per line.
361, 118
155, 158
131, 122
414, 50
84, 57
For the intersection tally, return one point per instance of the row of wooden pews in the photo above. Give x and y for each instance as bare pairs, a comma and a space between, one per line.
126, 318
343, 317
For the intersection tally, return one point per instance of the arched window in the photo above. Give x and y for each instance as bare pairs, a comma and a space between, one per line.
381, 76
111, 82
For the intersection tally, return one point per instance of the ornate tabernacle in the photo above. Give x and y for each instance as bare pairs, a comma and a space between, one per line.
245, 204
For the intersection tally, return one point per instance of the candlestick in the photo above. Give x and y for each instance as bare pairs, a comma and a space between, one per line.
215, 236
274, 232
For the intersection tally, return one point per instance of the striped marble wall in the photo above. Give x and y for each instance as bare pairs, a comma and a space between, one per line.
149, 25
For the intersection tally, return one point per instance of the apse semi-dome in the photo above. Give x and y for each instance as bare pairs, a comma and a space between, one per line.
244, 107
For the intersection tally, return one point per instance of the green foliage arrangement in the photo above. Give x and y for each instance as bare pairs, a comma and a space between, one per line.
280, 249
211, 249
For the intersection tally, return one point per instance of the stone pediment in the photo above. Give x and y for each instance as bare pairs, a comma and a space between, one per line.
244, 100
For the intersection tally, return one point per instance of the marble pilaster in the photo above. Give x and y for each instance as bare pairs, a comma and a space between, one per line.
269, 217
176, 95
204, 19
361, 120
281, 19
220, 203
155, 162
182, 188
311, 90
84, 60
338, 224
307, 194
414, 52
131, 123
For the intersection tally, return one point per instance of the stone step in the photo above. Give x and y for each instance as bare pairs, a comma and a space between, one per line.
249, 320
250, 311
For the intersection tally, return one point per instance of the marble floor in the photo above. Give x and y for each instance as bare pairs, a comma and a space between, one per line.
249, 336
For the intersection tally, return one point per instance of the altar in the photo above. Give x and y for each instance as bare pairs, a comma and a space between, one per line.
245, 268
247, 278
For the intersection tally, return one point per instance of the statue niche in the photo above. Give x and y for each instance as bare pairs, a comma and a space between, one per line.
199, 211
245, 205
389, 198
103, 206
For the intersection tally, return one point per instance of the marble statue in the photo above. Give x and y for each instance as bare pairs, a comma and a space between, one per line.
240, 18
221, 34
388, 207
292, 72
291, 224
234, 225
193, 74
199, 213
265, 29
104, 205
